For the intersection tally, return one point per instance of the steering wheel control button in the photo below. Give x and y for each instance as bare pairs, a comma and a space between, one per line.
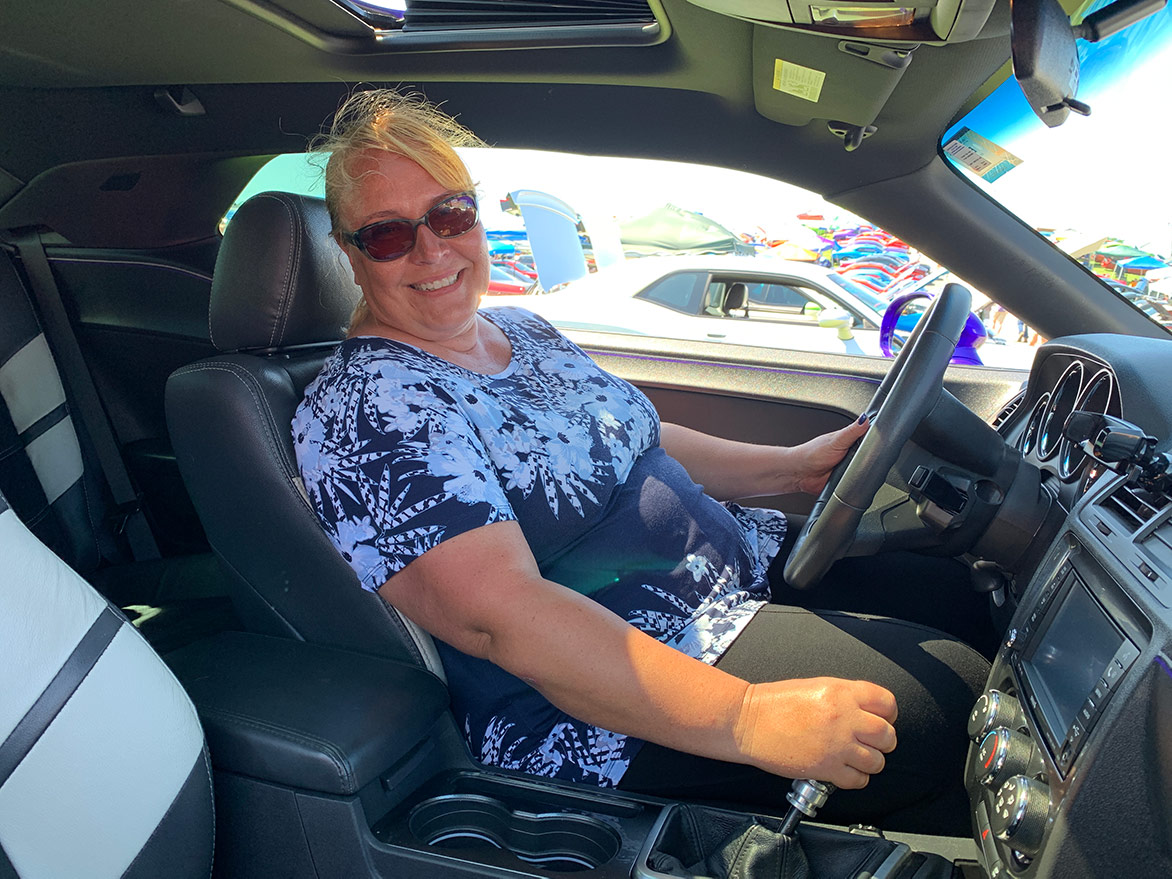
1020, 814
994, 709
1002, 755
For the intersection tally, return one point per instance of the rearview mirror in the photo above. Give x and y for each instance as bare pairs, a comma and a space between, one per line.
1045, 58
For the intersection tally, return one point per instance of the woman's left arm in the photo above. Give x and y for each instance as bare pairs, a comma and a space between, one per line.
729, 470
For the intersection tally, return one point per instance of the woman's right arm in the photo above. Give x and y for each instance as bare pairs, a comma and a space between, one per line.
482, 593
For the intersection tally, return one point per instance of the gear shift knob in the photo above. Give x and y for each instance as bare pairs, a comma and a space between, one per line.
806, 798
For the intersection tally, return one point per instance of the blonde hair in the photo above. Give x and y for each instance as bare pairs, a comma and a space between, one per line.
401, 124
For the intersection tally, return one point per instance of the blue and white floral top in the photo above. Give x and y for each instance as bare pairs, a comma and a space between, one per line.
400, 450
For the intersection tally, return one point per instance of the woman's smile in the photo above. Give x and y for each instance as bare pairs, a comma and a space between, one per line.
438, 284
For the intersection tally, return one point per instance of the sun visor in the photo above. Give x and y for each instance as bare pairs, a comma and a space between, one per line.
797, 78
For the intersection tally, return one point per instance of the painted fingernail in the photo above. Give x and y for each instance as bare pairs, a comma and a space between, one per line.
862, 418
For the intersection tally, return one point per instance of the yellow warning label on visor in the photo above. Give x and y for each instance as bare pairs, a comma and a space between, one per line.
794, 79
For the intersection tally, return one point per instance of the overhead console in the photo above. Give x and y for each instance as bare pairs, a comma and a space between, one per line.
921, 21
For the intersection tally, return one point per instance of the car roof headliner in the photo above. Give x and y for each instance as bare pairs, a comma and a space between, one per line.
74, 68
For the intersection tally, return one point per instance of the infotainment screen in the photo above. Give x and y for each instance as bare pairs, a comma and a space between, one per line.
1069, 657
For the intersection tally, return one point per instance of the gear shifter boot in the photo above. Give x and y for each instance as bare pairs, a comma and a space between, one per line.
708, 846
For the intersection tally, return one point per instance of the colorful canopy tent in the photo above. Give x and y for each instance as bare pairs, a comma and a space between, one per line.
1143, 264
1120, 252
674, 229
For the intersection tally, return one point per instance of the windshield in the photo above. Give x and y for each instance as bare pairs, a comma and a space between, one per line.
1097, 186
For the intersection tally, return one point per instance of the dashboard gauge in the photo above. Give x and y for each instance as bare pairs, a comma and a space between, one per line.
1095, 397
1062, 401
1029, 437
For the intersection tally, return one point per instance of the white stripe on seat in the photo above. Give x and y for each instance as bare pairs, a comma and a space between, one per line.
94, 787
56, 458
45, 610
30, 384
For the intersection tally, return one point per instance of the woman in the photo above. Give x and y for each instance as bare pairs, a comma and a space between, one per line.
532, 514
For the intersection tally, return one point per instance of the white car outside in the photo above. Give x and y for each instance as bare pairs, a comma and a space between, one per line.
790, 305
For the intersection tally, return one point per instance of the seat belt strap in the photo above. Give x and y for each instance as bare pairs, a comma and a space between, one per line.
85, 394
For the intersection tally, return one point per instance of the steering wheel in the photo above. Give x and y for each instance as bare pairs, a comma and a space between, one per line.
906, 395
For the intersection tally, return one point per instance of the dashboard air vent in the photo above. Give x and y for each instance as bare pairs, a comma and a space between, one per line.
1008, 409
1135, 506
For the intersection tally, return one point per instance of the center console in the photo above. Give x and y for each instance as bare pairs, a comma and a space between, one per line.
330, 763
1064, 742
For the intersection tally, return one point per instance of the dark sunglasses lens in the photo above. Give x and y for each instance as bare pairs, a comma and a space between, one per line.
388, 240
454, 217
392, 239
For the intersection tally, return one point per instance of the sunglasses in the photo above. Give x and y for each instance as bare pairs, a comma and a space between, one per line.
390, 239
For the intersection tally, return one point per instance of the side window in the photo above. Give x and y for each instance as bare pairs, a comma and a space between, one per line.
680, 236
681, 291
778, 297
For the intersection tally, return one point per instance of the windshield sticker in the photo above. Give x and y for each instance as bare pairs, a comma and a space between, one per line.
794, 79
980, 155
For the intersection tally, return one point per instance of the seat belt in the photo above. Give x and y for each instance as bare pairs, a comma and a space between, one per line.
85, 394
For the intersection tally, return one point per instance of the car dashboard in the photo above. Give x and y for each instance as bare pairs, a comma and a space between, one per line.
1069, 770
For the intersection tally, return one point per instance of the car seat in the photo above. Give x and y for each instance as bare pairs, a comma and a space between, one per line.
281, 299
736, 298
103, 768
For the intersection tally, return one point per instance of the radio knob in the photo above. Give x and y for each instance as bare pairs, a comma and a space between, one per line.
1020, 814
992, 710
1002, 755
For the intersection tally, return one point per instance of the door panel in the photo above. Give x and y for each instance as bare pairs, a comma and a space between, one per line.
138, 317
765, 396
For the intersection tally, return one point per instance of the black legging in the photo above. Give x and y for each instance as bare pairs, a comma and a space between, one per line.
935, 678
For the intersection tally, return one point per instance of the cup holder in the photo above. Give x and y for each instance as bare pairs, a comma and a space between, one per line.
562, 841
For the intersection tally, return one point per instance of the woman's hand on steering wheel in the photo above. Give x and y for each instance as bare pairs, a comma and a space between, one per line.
904, 398
822, 454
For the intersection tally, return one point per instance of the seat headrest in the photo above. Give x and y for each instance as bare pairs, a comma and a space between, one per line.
736, 297
280, 281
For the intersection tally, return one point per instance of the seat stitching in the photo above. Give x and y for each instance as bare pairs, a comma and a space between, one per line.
277, 331
251, 385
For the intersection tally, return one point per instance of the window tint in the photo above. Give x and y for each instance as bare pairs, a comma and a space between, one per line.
681, 292
778, 296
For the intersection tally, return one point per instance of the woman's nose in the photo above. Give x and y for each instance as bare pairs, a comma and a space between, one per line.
428, 245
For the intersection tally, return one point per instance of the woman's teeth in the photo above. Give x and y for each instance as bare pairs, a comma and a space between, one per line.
436, 285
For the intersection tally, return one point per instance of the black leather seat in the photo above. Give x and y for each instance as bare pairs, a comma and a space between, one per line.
103, 768
281, 298
736, 298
